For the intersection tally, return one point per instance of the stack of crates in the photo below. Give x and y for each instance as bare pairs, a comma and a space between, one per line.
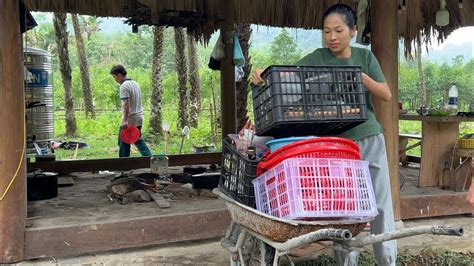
315, 178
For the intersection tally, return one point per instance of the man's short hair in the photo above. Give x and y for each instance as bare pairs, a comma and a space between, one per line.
118, 69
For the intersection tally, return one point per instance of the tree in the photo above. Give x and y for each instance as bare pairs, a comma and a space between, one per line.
421, 79
244, 32
91, 25
407, 85
284, 50
194, 83
84, 68
60, 27
42, 36
156, 80
180, 40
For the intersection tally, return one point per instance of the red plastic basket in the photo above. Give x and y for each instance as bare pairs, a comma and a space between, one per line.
308, 188
130, 134
313, 142
321, 151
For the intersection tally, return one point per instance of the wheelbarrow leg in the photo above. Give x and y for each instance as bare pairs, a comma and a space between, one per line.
276, 258
263, 252
346, 256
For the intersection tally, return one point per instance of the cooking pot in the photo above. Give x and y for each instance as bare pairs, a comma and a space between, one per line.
41, 185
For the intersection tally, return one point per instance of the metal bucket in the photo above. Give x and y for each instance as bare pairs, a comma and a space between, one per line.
39, 88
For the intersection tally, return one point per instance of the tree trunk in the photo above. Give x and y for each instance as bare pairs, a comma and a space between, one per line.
156, 79
421, 77
60, 28
180, 40
84, 67
241, 88
194, 82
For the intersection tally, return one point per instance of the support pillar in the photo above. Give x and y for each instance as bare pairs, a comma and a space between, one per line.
12, 116
384, 14
228, 113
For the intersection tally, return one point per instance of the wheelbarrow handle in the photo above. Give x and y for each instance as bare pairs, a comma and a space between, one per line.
452, 230
449, 230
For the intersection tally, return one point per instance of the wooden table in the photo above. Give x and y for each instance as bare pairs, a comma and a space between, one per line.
439, 135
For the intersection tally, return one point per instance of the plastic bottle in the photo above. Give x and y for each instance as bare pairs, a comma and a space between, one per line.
453, 99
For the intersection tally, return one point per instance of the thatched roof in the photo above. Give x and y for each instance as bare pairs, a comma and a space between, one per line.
418, 21
203, 17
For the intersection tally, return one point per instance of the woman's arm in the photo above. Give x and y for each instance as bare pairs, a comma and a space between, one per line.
378, 89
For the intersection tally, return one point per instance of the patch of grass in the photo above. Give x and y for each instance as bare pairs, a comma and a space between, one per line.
101, 134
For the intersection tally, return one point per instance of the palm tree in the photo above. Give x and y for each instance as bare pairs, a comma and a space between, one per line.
91, 25
84, 67
180, 40
60, 28
156, 78
194, 82
421, 77
244, 32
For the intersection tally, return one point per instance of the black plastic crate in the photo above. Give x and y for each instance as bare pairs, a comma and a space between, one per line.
309, 100
237, 173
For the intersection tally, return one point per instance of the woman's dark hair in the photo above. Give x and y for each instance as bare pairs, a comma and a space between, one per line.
118, 69
345, 11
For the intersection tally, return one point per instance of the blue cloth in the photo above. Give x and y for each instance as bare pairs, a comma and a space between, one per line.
124, 148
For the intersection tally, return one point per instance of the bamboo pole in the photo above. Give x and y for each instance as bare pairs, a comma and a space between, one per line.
12, 137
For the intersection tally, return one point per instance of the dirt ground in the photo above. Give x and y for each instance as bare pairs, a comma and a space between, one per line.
210, 252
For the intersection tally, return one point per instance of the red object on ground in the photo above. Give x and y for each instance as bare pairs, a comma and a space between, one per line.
130, 134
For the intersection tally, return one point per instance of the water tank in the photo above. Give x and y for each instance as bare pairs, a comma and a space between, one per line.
39, 95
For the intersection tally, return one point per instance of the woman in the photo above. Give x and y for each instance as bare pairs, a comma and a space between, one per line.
339, 28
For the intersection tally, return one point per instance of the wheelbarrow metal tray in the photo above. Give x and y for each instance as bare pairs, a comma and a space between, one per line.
280, 230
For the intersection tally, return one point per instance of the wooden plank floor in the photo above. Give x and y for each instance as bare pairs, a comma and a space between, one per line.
421, 202
82, 220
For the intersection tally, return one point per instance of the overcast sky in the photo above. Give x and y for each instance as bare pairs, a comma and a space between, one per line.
459, 36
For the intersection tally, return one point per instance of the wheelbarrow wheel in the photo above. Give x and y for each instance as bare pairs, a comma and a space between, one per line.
259, 253
251, 248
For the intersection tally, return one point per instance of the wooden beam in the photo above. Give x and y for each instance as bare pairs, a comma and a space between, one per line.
84, 239
385, 47
64, 167
434, 205
12, 137
228, 113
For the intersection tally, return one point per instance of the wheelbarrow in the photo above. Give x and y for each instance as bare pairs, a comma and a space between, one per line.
274, 237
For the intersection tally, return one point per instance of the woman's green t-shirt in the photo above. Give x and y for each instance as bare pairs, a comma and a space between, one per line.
370, 66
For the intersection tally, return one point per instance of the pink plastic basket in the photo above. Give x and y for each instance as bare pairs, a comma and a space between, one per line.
315, 188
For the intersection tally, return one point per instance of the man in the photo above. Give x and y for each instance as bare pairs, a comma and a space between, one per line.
132, 112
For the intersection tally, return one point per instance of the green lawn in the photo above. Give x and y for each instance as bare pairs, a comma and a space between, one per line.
101, 135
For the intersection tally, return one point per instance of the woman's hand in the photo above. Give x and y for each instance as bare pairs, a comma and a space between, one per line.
378, 89
257, 78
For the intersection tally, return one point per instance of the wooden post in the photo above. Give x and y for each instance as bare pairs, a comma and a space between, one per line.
385, 47
228, 114
12, 117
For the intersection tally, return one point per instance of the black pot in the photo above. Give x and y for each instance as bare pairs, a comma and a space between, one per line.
41, 185
205, 181
194, 170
